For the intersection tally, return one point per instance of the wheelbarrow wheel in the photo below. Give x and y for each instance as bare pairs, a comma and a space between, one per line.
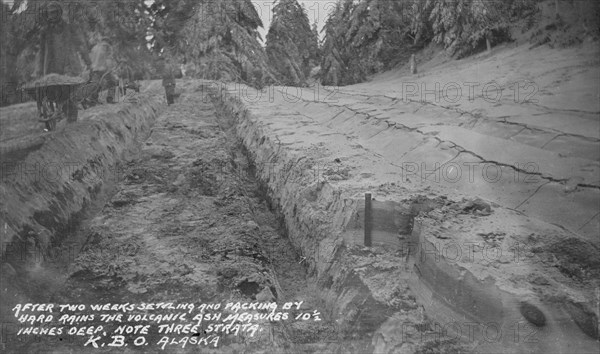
51, 124
47, 113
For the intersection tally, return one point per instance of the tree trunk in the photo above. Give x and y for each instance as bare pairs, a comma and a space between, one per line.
10, 80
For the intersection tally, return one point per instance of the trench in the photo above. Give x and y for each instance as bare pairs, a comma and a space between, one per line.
187, 221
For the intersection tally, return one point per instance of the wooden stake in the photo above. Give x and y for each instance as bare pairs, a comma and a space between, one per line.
368, 220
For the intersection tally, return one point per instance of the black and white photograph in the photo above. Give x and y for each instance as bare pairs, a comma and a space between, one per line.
300, 176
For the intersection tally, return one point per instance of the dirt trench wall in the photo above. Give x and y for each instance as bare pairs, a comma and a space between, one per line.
45, 192
304, 205
315, 213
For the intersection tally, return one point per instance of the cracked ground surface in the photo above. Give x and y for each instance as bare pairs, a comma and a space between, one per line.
537, 152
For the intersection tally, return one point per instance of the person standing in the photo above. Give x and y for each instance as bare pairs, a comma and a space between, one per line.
102, 70
168, 80
124, 77
60, 47
60, 44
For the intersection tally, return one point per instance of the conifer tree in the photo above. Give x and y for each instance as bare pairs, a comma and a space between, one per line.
374, 35
221, 39
290, 44
315, 51
335, 50
462, 26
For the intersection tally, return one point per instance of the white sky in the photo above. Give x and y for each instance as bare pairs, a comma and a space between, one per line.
11, 2
316, 10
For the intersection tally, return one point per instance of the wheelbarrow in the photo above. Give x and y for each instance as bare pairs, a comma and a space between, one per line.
56, 97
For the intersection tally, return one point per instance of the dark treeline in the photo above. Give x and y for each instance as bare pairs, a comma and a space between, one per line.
219, 39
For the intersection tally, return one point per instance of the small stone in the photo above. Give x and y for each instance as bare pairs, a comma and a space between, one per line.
180, 179
137, 289
252, 225
504, 260
476, 206
118, 203
532, 314
228, 272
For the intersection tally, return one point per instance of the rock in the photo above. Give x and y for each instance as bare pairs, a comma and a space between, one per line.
163, 154
118, 203
227, 272
538, 279
252, 225
266, 295
585, 319
137, 288
121, 200
180, 179
476, 206
532, 314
